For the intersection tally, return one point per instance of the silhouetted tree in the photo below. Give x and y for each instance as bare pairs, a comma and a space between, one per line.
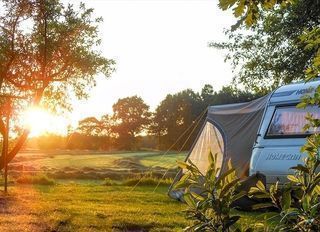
131, 116
89, 126
174, 115
47, 50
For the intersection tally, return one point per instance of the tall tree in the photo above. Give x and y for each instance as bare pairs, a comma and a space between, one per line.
90, 126
175, 114
273, 52
132, 116
47, 51
93, 133
283, 44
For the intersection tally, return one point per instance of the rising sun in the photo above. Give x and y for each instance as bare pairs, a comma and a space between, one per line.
39, 121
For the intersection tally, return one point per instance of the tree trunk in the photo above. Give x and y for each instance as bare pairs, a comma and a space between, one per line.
15, 150
21, 140
4, 159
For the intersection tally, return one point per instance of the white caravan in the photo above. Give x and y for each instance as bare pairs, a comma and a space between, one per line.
262, 136
281, 135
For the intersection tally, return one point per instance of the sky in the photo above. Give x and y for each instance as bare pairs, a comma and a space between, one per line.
160, 47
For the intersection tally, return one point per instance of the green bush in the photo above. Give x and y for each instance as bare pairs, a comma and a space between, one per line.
40, 179
298, 199
210, 197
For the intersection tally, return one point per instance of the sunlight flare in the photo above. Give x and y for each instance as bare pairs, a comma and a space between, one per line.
39, 121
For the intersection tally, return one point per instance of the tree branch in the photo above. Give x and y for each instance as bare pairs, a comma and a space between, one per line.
23, 137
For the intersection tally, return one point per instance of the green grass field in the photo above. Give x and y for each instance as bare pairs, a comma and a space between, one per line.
95, 165
87, 204
90, 207
62, 159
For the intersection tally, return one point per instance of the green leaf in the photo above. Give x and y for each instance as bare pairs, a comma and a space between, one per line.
301, 168
260, 195
212, 158
182, 182
249, 19
306, 202
302, 105
316, 190
239, 10
230, 165
182, 165
228, 187
189, 200
197, 196
286, 200
262, 206
260, 186
225, 4
254, 190
238, 196
224, 175
292, 178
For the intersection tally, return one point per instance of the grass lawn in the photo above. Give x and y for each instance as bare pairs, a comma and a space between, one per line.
93, 207
89, 207
60, 160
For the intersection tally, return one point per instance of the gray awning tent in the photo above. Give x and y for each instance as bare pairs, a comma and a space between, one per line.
230, 132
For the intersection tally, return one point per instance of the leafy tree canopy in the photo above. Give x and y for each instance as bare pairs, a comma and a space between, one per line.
278, 48
131, 116
47, 51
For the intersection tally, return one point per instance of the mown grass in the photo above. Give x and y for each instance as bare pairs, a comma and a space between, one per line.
74, 207
37, 179
95, 207
95, 165
62, 160
83, 193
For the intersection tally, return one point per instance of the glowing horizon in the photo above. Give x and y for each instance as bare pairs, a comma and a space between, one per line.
40, 121
161, 47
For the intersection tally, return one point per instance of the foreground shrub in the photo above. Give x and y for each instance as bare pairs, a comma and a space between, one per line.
37, 179
297, 200
210, 197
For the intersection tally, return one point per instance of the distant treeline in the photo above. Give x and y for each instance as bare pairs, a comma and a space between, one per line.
132, 126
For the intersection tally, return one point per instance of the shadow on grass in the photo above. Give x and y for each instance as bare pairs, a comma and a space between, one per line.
132, 227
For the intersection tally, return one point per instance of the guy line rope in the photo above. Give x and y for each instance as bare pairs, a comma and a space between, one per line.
194, 124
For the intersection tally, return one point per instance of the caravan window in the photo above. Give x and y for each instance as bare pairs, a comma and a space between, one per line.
289, 121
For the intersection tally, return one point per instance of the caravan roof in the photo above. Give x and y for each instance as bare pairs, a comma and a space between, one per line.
293, 92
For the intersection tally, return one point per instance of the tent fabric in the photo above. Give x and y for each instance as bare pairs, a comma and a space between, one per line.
239, 124
230, 132
209, 140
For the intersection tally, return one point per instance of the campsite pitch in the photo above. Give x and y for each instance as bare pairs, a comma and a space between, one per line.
93, 207
89, 207
40, 203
